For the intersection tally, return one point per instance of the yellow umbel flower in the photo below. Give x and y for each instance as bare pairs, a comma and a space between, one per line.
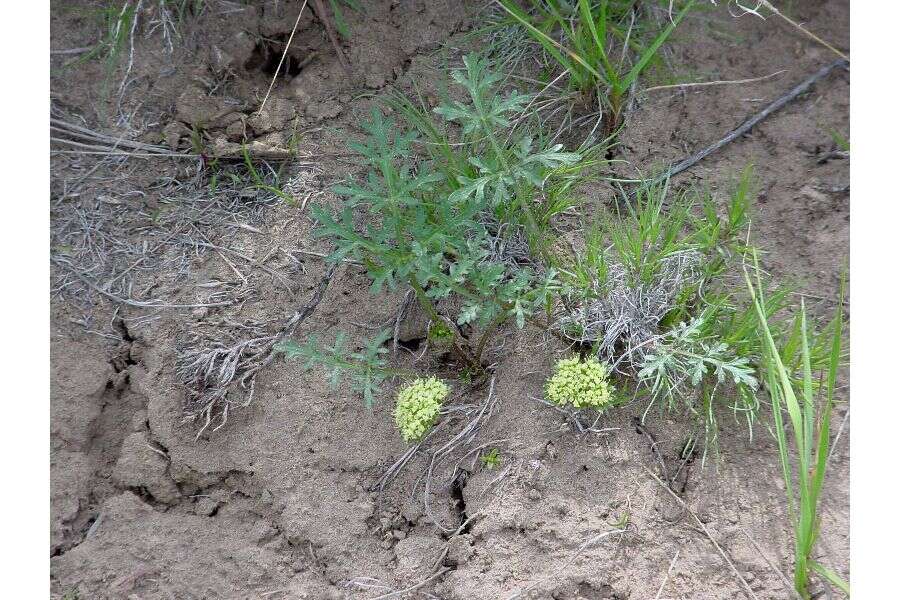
418, 405
583, 384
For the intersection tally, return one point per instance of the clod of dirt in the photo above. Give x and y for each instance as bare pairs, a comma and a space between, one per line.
236, 131
310, 513
77, 397
70, 478
273, 117
414, 325
416, 556
319, 111
172, 134
460, 549
239, 50
140, 467
194, 107
376, 58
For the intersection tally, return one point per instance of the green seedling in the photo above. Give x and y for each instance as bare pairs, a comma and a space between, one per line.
367, 368
259, 182
809, 426
440, 225
340, 23
588, 32
491, 460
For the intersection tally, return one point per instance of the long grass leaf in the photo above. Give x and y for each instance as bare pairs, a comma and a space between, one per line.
652, 49
832, 577
831, 379
549, 44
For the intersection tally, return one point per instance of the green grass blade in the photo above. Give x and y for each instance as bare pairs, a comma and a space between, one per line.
809, 410
831, 380
832, 577
599, 36
652, 49
549, 44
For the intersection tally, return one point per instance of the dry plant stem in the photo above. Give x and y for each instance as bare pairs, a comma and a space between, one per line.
787, 584
796, 25
695, 84
134, 21
401, 462
662, 586
463, 438
750, 123
413, 588
721, 552
135, 303
654, 448
332, 35
210, 374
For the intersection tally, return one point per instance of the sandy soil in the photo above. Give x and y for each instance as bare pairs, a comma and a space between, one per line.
279, 503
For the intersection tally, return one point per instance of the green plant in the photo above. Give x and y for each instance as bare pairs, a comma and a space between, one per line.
259, 182
840, 140
587, 34
683, 356
491, 459
115, 23
502, 167
368, 368
418, 407
652, 295
583, 383
441, 225
809, 418
339, 22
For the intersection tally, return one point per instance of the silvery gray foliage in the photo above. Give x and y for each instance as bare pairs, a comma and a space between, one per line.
683, 356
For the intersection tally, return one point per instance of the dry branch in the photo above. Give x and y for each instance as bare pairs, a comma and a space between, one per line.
750, 123
210, 373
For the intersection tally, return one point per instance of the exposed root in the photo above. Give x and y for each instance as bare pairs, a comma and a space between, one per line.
368, 583
462, 439
210, 373
574, 416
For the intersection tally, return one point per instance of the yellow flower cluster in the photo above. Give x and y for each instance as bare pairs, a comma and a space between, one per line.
580, 383
418, 405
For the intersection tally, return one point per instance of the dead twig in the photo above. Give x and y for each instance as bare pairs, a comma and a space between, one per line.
709, 536
332, 35
662, 586
787, 584
654, 448
791, 22
287, 47
750, 123
413, 588
696, 84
